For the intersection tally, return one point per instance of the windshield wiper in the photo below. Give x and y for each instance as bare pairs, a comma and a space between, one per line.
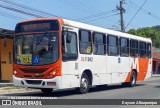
41, 38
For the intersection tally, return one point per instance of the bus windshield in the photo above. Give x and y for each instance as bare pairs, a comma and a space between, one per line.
36, 49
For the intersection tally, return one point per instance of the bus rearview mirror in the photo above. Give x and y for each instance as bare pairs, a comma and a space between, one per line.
68, 39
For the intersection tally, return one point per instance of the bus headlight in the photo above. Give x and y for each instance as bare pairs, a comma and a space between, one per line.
54, 73
15, 73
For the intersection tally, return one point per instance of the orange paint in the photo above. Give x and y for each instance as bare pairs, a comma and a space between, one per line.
129, 75
35, 73
143, 66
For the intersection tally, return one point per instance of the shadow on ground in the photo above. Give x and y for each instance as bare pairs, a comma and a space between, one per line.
70, 92
157, 86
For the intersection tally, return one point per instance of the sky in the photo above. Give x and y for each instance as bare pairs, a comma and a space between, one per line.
101, 13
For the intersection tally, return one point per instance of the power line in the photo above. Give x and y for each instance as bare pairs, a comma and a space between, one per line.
76, 6
86, 6
136, 14
135, 6
28, 9
19, 11
102, 17
96, 15
11, 16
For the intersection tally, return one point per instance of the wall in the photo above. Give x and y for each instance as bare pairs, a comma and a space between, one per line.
6, 59
156, 60
156, 53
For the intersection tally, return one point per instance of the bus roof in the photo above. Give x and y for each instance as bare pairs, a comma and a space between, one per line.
103, 30
92, 28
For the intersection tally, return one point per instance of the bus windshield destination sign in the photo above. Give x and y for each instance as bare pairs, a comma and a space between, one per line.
36, 26
29, 27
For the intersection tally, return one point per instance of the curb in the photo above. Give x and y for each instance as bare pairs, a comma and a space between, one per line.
155, 75
6, 84
12, 89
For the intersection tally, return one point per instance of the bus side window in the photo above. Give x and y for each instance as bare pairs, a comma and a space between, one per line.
85, 43
99, 43
112, 45
149, 55
124, 47
142, 49
134, 48
69, 46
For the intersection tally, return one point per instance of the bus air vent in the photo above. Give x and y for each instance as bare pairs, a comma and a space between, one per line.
36, 82
26, 70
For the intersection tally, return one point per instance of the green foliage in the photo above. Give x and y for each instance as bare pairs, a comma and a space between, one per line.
148, 32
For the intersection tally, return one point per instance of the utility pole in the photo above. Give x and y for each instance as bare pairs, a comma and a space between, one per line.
122, 10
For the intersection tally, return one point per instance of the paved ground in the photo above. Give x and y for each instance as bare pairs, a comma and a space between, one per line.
149, 89
143, 90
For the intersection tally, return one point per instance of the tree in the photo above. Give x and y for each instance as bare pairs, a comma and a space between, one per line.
148, 32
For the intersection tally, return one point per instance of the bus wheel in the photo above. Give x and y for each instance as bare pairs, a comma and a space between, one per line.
46, 90
84, 84
132, 81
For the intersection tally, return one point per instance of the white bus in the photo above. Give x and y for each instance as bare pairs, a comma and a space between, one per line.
55, 53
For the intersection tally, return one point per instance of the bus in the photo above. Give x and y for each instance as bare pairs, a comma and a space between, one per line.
56, 53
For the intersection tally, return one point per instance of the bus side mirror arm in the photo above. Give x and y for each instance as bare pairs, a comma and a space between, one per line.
64, 48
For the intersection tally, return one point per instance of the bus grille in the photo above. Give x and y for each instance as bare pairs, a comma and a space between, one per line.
36, 82
33, 70
34, 76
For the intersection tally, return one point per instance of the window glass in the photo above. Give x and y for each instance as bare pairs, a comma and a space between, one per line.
142, 49
85, 42
99, 38
124, 49
69, 45
84, 36
99, 46
36, 49
112, 41
142, 45
113, 46
134, 48
149, 50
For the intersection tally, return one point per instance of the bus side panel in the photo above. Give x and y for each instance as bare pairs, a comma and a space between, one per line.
145, 69
70, 76
149, 70
143, 66
70, 81
70, 68
96, 64
118, 67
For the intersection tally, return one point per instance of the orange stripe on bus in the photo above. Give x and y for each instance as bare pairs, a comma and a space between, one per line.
129, 74
143, 67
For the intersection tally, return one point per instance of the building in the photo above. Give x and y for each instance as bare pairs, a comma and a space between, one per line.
6, 54
156, 60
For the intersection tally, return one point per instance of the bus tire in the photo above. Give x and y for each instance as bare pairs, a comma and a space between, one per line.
132, 81
46, 90
84, 84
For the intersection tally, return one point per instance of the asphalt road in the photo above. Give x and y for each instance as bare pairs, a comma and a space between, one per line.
149, 89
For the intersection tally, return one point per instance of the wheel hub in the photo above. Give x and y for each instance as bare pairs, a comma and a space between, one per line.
84, 84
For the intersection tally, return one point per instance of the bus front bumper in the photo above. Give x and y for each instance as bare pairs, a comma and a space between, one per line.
54, 83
